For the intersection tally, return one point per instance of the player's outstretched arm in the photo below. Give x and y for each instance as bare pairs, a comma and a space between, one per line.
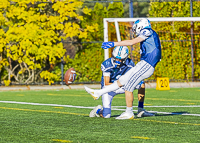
129, 42
106, 45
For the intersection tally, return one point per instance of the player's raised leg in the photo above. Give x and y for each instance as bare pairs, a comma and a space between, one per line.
97, 93
117, 84
92, 92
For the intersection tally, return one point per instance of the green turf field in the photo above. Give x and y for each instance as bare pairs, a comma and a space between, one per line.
52, 120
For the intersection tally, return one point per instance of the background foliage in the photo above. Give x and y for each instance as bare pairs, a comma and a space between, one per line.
32, 30
31, 33
176, 40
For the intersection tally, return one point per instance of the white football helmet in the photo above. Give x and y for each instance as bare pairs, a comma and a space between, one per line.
120, 52
140, 24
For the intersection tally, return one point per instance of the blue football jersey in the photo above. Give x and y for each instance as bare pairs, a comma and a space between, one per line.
108, 69
150, 48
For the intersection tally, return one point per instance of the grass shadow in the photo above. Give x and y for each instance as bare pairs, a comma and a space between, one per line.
171, 114
160, 114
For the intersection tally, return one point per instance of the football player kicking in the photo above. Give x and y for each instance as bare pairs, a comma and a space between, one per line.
112, 69
150, 50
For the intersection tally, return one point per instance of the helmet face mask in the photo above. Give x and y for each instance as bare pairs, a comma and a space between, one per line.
117, 63
140, 24
120, 54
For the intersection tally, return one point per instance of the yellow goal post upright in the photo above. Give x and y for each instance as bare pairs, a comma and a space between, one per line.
180, 34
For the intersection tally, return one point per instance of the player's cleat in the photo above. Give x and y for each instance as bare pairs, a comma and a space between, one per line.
143, 113
125, 115
92, 92
94, 113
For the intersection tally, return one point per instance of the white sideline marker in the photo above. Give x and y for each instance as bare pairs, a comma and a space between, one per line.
113, 107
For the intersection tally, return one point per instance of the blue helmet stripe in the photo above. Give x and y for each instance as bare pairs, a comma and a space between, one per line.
119, 52
137, 21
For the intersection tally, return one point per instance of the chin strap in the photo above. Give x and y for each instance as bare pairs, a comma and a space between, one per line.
117, 64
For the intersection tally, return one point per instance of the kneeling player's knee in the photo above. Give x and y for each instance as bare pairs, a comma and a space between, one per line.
107, 116
106, 112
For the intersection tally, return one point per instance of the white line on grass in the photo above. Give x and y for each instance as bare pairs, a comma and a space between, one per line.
162, 106
57, 105
113, 107
28, 103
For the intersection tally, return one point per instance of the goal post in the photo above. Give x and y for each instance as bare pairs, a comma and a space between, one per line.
117, 20
179, 36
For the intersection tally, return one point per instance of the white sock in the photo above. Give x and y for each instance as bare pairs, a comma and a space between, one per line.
129, 109
109, 88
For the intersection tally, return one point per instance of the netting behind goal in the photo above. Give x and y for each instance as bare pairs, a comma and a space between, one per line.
180, 41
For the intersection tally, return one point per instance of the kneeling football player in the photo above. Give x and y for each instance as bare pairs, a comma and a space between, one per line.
112, 69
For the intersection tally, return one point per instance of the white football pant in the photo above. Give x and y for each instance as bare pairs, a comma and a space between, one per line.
135, 75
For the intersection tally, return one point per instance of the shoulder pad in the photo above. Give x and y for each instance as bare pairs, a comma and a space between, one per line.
146, 32
106, 65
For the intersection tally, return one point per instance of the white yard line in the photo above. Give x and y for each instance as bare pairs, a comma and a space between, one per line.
113, 107
57, 105
161, 106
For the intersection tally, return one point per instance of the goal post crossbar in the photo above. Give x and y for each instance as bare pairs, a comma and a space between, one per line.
153, 19
116, 20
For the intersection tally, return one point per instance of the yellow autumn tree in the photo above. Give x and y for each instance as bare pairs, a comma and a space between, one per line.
31, 33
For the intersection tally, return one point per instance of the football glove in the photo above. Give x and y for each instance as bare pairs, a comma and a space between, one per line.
106, 45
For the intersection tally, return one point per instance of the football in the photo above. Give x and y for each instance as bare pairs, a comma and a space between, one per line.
69, 76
